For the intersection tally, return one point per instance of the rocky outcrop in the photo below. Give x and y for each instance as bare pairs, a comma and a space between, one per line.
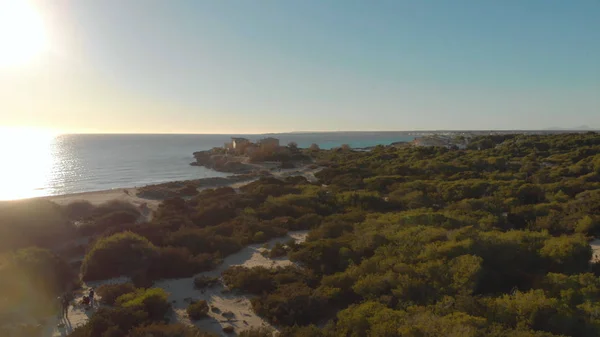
221, 162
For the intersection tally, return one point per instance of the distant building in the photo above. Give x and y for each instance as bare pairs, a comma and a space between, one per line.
239, 143
269, 142
250, 149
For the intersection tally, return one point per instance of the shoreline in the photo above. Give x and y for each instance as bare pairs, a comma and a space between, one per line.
131, 194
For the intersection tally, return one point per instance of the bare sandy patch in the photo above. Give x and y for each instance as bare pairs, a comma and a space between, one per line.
231, 309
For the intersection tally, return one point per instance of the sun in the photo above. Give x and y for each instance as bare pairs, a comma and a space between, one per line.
22, 33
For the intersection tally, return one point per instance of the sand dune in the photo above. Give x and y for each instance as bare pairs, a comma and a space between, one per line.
234, 309
182, 291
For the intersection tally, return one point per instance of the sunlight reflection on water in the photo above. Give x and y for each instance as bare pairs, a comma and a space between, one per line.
28, 163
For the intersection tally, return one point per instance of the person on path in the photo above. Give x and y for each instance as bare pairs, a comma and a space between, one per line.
65, 306
91, 297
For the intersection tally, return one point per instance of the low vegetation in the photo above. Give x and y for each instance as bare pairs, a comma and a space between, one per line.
201, 282
35, 222
109, 293
197, 310
135, 313
413, 241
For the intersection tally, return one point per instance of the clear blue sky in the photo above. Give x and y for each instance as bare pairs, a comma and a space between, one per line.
290, 65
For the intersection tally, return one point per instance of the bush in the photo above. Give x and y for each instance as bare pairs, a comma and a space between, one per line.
114, 206
48, 272
110, 292
277, 251
111, 322
257, 332
104, 222
197, 310
153, 301
201, 282
117, 255
253, 280
79, 209
177, 262
35, 222
259, 237
168, 330
291, 304
188, 191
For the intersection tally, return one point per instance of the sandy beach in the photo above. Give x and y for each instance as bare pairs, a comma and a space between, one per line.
130, 194
99, 197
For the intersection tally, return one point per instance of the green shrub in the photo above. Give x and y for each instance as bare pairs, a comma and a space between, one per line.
110, 292
197, 310
253, 280
277, 251
43, 269
177, 262
259, 237
168, 330
201, 282
79, 209
105, 222
257, 332
111, 322
153, 301
34, 222
291, 304
120, 254
114, 206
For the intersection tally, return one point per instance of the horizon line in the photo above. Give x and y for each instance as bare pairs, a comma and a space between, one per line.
328, 131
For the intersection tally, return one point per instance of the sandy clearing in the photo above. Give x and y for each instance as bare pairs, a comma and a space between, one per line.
99, 197
182, 291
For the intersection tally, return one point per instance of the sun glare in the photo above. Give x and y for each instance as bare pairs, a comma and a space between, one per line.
30, 160
22, 33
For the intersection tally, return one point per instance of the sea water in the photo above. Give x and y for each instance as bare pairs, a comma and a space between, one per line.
63, 164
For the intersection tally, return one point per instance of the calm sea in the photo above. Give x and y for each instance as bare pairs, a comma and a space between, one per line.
42, 166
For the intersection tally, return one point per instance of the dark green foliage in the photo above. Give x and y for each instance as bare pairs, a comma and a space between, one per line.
277, 251
116, 255
111, 322
110, 292
168, 330
46, 270
197, 310
105, 222
201, 282
257, 332
176, 262
290, 304
152, 301
260, 280
35, 222
255, 280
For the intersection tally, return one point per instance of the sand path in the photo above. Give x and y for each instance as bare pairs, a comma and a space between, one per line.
595, 244
235, 306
